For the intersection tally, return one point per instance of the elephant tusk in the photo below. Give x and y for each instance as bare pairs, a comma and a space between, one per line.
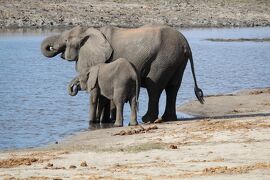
73, 88
73, 91
51, 48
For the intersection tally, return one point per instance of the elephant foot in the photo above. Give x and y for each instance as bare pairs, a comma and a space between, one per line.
169, 117
118, 124
112, 120
93, 122
107, 121
133, 123
149, 118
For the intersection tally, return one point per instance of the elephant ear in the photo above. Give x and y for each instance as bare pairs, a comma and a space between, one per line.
95, 46
93, 77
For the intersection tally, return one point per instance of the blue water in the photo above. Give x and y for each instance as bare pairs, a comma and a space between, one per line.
35, 108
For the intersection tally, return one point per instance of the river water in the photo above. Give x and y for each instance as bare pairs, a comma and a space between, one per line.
35, 108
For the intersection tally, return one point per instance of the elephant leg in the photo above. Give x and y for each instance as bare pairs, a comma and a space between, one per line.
100, 108
152, 113
113, 111
170, 110
93, 106
171, 94
134, 107
119, 114
105, 108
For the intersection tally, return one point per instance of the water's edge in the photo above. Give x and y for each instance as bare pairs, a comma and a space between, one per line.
34, 113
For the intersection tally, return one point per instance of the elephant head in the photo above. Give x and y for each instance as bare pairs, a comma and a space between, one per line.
53, 45
90, 43
85, 81
97, 49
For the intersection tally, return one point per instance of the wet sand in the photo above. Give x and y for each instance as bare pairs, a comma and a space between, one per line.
223, 148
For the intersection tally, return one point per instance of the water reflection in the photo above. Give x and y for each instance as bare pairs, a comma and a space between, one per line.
100, 126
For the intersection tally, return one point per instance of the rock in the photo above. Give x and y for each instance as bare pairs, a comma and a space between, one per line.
84, 164
138, 129
129, 132
141, 127
133, 131
28, 163
72, 167
154, 127
122, 133
172, 146
50, 165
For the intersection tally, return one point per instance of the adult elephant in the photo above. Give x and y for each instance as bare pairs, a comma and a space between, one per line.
159, 53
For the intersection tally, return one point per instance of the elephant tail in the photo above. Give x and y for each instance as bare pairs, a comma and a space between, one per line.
197, 90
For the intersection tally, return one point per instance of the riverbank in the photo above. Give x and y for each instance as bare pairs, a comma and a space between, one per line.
190, 13
237, 147
246, 102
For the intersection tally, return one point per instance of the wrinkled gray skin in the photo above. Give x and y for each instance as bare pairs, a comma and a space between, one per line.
56, 44
120, 86
159, 53
104, 107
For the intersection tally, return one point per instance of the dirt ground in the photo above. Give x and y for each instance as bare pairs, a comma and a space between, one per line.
130, 13
237, 147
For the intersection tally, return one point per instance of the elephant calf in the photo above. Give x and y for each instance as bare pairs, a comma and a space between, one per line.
118, 81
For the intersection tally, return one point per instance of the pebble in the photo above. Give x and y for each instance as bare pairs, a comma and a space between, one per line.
72, 167
84, 164
50, 165
172, 146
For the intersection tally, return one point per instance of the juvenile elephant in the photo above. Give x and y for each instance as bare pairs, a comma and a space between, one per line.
105, 111
159, 53
118, 81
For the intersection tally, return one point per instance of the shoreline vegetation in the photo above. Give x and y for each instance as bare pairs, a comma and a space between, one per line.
190, 149
94, 13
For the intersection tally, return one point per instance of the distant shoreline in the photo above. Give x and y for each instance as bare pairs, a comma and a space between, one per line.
50, 30
92, 13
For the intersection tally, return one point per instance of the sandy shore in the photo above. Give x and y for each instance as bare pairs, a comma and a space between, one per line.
128, 13
247, 102
228, 148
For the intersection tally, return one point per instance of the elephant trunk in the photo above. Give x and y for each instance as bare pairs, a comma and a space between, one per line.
47, 46
74, 87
